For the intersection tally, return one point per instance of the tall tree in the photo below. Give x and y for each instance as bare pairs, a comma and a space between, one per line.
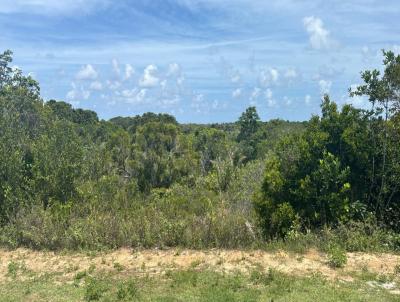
249, 123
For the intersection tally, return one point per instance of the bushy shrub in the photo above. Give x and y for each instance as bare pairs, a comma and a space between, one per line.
94, 289
336, 256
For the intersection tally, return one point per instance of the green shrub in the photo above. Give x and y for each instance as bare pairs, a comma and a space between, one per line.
12, 269
128, 290
94, 289
337, 257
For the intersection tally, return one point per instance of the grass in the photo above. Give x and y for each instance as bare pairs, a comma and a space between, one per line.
191, 285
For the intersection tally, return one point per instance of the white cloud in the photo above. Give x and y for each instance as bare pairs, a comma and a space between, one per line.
174, 69
180, 80
96, 85
235, 78
87, 72
269, 77
77, 93
198, 98
324, 86
115, 67
129, 71
271, 102
133, 96
319, 36
255, 94
149, 78
113, 85
291, 74
368, 55
287, 101
199, 104
167, 102
237, 93
163, 84
274, 74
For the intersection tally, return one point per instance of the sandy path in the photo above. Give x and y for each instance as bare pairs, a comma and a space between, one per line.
160, 261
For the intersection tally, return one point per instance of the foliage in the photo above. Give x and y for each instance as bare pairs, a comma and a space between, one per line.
336, 256
70, 180
344, 166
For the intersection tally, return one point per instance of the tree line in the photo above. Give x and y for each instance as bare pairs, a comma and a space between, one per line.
64, 172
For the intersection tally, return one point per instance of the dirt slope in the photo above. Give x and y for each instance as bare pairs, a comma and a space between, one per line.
160, 261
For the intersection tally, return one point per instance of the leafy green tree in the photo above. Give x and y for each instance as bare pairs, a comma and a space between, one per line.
160, 155
249, 123
21, 121
58, 166
212, 144
383, 92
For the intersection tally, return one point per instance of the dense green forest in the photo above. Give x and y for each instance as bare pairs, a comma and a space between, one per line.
71, 180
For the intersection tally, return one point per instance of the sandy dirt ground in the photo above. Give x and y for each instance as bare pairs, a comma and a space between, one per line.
225, 261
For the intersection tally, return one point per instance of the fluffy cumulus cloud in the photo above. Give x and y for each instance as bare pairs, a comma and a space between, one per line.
319, 36
174, 70
237, 93
198, 103
268, 77
228, 71
255, 94
129, 71
149, 78
291, 74
235, 77
113, 85
87, 72
271, 102
77, 93
324, 86
133, 96
287, 101
115, 67
96, 85
122, 73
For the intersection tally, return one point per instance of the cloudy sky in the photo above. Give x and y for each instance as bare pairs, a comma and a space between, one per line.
200, 60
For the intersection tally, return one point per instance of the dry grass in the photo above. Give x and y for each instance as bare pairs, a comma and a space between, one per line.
225, 261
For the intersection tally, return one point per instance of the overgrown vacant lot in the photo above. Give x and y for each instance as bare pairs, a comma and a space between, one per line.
186, 275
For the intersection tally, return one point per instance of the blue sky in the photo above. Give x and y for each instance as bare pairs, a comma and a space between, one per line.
200, 60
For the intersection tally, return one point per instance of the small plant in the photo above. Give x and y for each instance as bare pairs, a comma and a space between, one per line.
127, 290
12, 269
118, 266
80, 275
92, 268
397, 269
195, 263
71, 268
336, 256
94, 289
259, 277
